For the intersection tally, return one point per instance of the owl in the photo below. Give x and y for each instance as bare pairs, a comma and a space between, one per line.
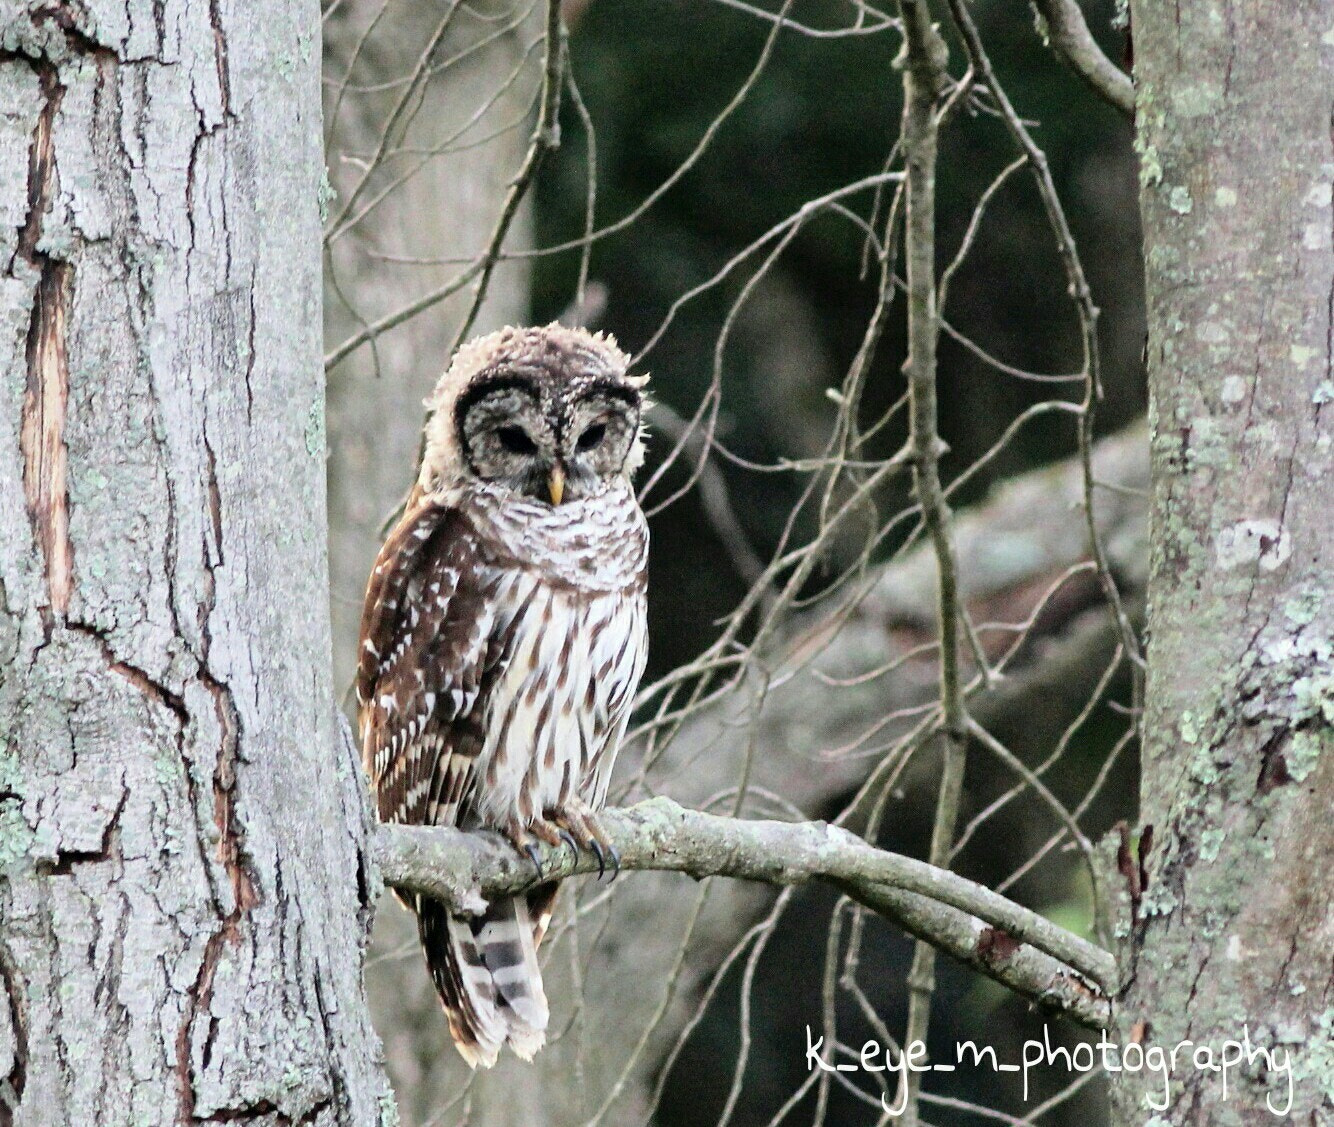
502, 640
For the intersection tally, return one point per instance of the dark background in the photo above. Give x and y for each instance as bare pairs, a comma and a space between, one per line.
654, 74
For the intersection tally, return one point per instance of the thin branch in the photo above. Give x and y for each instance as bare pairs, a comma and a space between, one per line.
924, 76
1087, 311
545, 137
1071, 37
882, 21
713, 495
1033, 956
549, 138
397, 317
396, 115
974, 225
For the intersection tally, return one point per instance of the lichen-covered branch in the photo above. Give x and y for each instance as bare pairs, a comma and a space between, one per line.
994, 935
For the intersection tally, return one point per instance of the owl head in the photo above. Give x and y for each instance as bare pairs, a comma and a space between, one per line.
550, 414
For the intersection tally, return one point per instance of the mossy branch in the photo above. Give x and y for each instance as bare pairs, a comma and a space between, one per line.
1009, 943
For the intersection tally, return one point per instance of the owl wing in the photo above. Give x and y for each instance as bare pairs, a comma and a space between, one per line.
428, 642
425, 650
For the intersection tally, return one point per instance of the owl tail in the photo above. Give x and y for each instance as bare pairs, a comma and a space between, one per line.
485, 970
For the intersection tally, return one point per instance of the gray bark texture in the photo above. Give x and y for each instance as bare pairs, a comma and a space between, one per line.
1229, 906
184, 898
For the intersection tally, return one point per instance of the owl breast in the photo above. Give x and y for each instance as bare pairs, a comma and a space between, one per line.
571, 641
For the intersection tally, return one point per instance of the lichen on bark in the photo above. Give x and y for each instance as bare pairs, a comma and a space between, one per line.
1231, 929
181, 821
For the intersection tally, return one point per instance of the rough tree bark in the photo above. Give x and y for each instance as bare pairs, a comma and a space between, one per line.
182, 921
1231, 920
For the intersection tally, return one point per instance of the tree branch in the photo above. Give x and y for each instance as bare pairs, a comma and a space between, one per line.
1001, 939
925, 73
1073, 41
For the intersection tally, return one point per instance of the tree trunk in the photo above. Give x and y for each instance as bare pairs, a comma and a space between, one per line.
1232, 927
183, 899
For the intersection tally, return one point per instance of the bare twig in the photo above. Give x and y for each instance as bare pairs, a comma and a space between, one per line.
879, 21
546, 136
401, 108
1084, 305
713, 496
924, 75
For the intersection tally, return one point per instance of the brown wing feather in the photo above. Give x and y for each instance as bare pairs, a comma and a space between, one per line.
424, 649
383, 611
431, 643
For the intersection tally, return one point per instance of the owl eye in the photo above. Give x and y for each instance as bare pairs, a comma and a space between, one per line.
592, 436
516, 440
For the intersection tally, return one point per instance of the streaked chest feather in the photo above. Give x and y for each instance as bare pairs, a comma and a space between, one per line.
502, 647
570, 638
596, 544
558, 700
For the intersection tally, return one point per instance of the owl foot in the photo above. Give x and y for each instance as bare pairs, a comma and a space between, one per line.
582, 824
525, 839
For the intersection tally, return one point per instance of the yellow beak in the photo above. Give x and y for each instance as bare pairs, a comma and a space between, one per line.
556, 484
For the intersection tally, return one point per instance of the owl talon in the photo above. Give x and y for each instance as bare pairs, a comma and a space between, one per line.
568, 838
596, 850
580, 824
598, 842
531, 850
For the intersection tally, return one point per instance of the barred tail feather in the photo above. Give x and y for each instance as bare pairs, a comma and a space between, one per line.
454, 959
486, 973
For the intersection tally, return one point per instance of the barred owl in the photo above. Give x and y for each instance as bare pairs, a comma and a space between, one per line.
502, 640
